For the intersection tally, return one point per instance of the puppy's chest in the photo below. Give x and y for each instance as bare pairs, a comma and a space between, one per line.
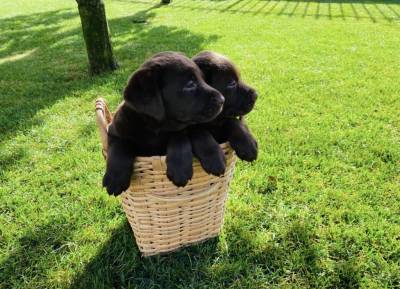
150, 143
218, 131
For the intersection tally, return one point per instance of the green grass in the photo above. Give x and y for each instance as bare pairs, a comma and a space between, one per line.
319, 209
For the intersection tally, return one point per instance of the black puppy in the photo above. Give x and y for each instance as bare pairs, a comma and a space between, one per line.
163, 97
220, 73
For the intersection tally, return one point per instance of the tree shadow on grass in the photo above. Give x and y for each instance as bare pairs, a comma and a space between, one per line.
33, 74
36, 252
43, 62
359, 9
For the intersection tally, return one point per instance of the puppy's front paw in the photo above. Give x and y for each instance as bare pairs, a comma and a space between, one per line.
214, 164
179, 176
246, 149
116, 182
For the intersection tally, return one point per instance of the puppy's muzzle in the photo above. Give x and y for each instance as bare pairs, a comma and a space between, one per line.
214, 106
249, 98
252, 95
218, 101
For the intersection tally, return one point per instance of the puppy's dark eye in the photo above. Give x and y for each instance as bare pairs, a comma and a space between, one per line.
232, 84
191, 85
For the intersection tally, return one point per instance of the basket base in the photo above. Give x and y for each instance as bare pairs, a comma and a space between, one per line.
194, 243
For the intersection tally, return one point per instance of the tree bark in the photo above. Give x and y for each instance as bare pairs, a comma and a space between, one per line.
95, 33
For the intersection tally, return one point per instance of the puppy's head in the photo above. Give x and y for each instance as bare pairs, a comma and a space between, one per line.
169, 87
221, 73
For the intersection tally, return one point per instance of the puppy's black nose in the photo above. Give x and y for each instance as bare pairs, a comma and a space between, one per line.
252, 94
219, 99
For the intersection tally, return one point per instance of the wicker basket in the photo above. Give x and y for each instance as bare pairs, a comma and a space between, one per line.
164, 217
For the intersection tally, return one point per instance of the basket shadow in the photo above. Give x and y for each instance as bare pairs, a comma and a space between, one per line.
119, 265
237, 257
36, 251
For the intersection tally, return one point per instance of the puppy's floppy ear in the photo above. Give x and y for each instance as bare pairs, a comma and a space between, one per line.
205, 68
143, 93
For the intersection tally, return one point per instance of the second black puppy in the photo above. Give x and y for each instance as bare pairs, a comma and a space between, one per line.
164, 96
220, 73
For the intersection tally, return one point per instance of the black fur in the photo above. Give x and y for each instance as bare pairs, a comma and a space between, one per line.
164, 96
179, 159
220, 73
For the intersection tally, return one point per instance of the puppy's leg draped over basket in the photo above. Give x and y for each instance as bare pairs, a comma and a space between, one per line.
162, 216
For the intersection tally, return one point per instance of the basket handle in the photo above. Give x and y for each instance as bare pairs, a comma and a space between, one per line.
103, 119
186, 198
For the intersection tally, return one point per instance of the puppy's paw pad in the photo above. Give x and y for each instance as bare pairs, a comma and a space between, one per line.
180, 177
248, 154
215, 166
116, 183
247, 151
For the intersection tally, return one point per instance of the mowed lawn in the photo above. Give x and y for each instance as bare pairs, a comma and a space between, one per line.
319, 209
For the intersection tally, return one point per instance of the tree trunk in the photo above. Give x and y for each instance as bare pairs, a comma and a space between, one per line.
95, 33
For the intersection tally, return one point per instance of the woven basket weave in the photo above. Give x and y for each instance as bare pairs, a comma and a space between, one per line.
164, 217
